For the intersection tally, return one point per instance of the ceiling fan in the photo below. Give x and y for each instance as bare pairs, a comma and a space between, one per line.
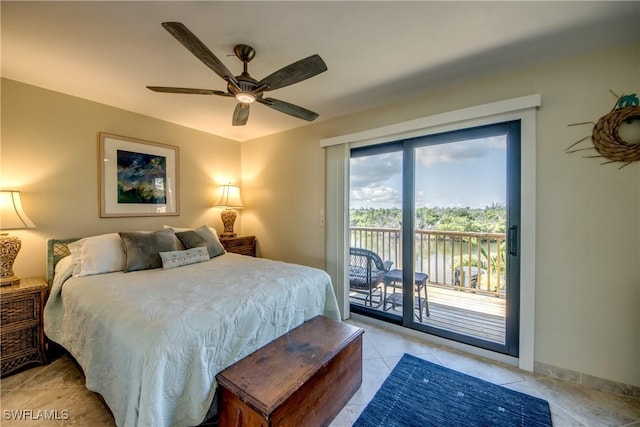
245, 88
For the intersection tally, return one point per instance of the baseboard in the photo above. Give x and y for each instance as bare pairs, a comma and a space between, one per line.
587, 380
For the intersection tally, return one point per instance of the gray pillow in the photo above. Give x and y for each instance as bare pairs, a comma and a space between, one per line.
201, 236
142, 248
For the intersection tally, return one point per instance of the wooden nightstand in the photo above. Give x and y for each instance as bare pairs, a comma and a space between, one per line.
21, 324
243, 245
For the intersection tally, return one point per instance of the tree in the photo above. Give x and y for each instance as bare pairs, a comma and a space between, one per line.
491, 219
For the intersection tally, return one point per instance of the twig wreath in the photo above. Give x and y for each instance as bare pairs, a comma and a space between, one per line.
606, 137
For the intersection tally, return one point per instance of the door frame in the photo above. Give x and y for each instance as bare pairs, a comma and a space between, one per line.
512, 129
337, 187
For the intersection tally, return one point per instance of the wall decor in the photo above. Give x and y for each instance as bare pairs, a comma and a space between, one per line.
137, 178
606, 133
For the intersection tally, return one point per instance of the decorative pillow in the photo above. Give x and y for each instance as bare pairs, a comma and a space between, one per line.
179, 258
180, 229
179, 245
142, 248
201, 236
97, 255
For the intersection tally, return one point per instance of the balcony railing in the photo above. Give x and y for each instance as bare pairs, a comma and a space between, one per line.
465, 261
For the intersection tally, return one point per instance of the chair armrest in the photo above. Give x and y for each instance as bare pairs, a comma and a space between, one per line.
387, 265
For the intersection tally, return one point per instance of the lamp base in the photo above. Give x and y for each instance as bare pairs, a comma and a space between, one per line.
228, 218
9, 248
228, 235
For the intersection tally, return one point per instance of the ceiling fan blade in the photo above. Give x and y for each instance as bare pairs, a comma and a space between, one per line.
222, 93
290, 109
240, 114
199, 49
294, 73
184, 90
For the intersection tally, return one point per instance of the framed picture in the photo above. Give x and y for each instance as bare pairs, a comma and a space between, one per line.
137, 178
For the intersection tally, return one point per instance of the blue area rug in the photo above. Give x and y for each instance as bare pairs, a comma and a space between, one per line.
421, 393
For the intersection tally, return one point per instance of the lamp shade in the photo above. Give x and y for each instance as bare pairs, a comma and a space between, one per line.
229, 197
12, 215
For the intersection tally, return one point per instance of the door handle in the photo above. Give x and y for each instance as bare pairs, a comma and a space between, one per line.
513, 240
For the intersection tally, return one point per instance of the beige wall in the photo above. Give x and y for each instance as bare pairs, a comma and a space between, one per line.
588, 216
49, 152
283, 178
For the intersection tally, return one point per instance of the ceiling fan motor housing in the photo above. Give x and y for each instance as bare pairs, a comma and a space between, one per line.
246, 83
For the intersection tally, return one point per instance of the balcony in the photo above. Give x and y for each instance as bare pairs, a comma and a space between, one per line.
466, 277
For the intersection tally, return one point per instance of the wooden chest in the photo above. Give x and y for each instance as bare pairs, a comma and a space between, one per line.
303, 378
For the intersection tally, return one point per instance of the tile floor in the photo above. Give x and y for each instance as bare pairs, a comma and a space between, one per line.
59, 386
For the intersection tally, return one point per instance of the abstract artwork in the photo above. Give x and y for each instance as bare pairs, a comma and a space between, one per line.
137, 178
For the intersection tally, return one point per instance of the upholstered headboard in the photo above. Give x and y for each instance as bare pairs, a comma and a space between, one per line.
56, 250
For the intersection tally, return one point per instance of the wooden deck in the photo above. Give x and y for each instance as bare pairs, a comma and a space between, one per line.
469, 313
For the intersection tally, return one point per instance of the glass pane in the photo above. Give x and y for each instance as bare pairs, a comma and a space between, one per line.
375, 218
460, 224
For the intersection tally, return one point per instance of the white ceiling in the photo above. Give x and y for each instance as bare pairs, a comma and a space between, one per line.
376, 52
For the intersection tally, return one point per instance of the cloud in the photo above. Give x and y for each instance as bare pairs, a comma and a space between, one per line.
456, 152
376, 180
374, 169
375, 193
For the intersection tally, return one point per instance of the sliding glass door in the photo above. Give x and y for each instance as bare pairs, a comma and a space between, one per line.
446, 206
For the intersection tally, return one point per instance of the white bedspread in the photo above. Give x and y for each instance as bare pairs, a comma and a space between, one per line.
151, 342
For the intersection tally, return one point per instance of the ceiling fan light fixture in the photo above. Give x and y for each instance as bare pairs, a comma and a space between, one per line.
245, 97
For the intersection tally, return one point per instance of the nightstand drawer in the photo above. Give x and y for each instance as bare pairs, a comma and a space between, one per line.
242, 250
15, 310
20, 341
243, 245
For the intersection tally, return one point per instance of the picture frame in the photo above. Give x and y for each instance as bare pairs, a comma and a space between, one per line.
137, 178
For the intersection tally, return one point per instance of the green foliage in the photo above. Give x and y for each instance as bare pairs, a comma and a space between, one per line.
497, 261
491, 219
379, 218
494, 262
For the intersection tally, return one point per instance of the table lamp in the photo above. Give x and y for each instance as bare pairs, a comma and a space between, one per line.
12, 217
229, 199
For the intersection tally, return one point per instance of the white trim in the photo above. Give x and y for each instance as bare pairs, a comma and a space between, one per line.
417, 127
523, 109
336, 222
527, 238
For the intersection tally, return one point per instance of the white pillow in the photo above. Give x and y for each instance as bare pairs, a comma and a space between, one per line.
97, 255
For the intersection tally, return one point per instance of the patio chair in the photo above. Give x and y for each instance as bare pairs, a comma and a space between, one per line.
366, 273
459, 278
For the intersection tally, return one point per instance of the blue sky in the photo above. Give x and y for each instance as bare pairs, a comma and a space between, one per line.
459, 174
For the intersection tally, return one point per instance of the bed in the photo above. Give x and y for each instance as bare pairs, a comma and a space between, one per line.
151, 341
